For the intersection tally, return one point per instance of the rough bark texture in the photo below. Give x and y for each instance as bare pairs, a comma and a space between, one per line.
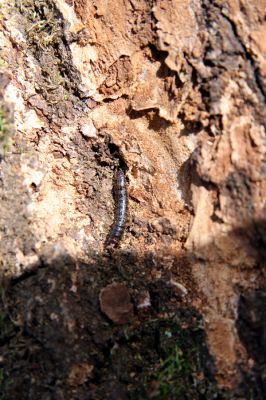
173, 92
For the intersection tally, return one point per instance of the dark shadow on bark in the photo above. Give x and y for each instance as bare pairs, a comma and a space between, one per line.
56, 343
251, 325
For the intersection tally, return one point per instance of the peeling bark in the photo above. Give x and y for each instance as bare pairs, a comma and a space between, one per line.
172, 92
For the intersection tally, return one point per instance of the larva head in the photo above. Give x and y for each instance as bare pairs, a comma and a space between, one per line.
120, 178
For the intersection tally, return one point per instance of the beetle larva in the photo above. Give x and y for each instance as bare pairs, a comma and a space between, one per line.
120, 197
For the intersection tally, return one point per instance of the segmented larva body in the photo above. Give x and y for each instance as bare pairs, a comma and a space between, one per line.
120, 197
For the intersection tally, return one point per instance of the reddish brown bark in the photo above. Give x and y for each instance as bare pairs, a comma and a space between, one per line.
172, 92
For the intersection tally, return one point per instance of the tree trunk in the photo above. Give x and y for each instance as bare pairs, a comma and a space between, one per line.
172, 93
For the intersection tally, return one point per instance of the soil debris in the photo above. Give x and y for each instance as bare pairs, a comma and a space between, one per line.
172, 93
115, 302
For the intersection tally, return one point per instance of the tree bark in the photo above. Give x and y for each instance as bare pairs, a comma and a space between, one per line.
171, 92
